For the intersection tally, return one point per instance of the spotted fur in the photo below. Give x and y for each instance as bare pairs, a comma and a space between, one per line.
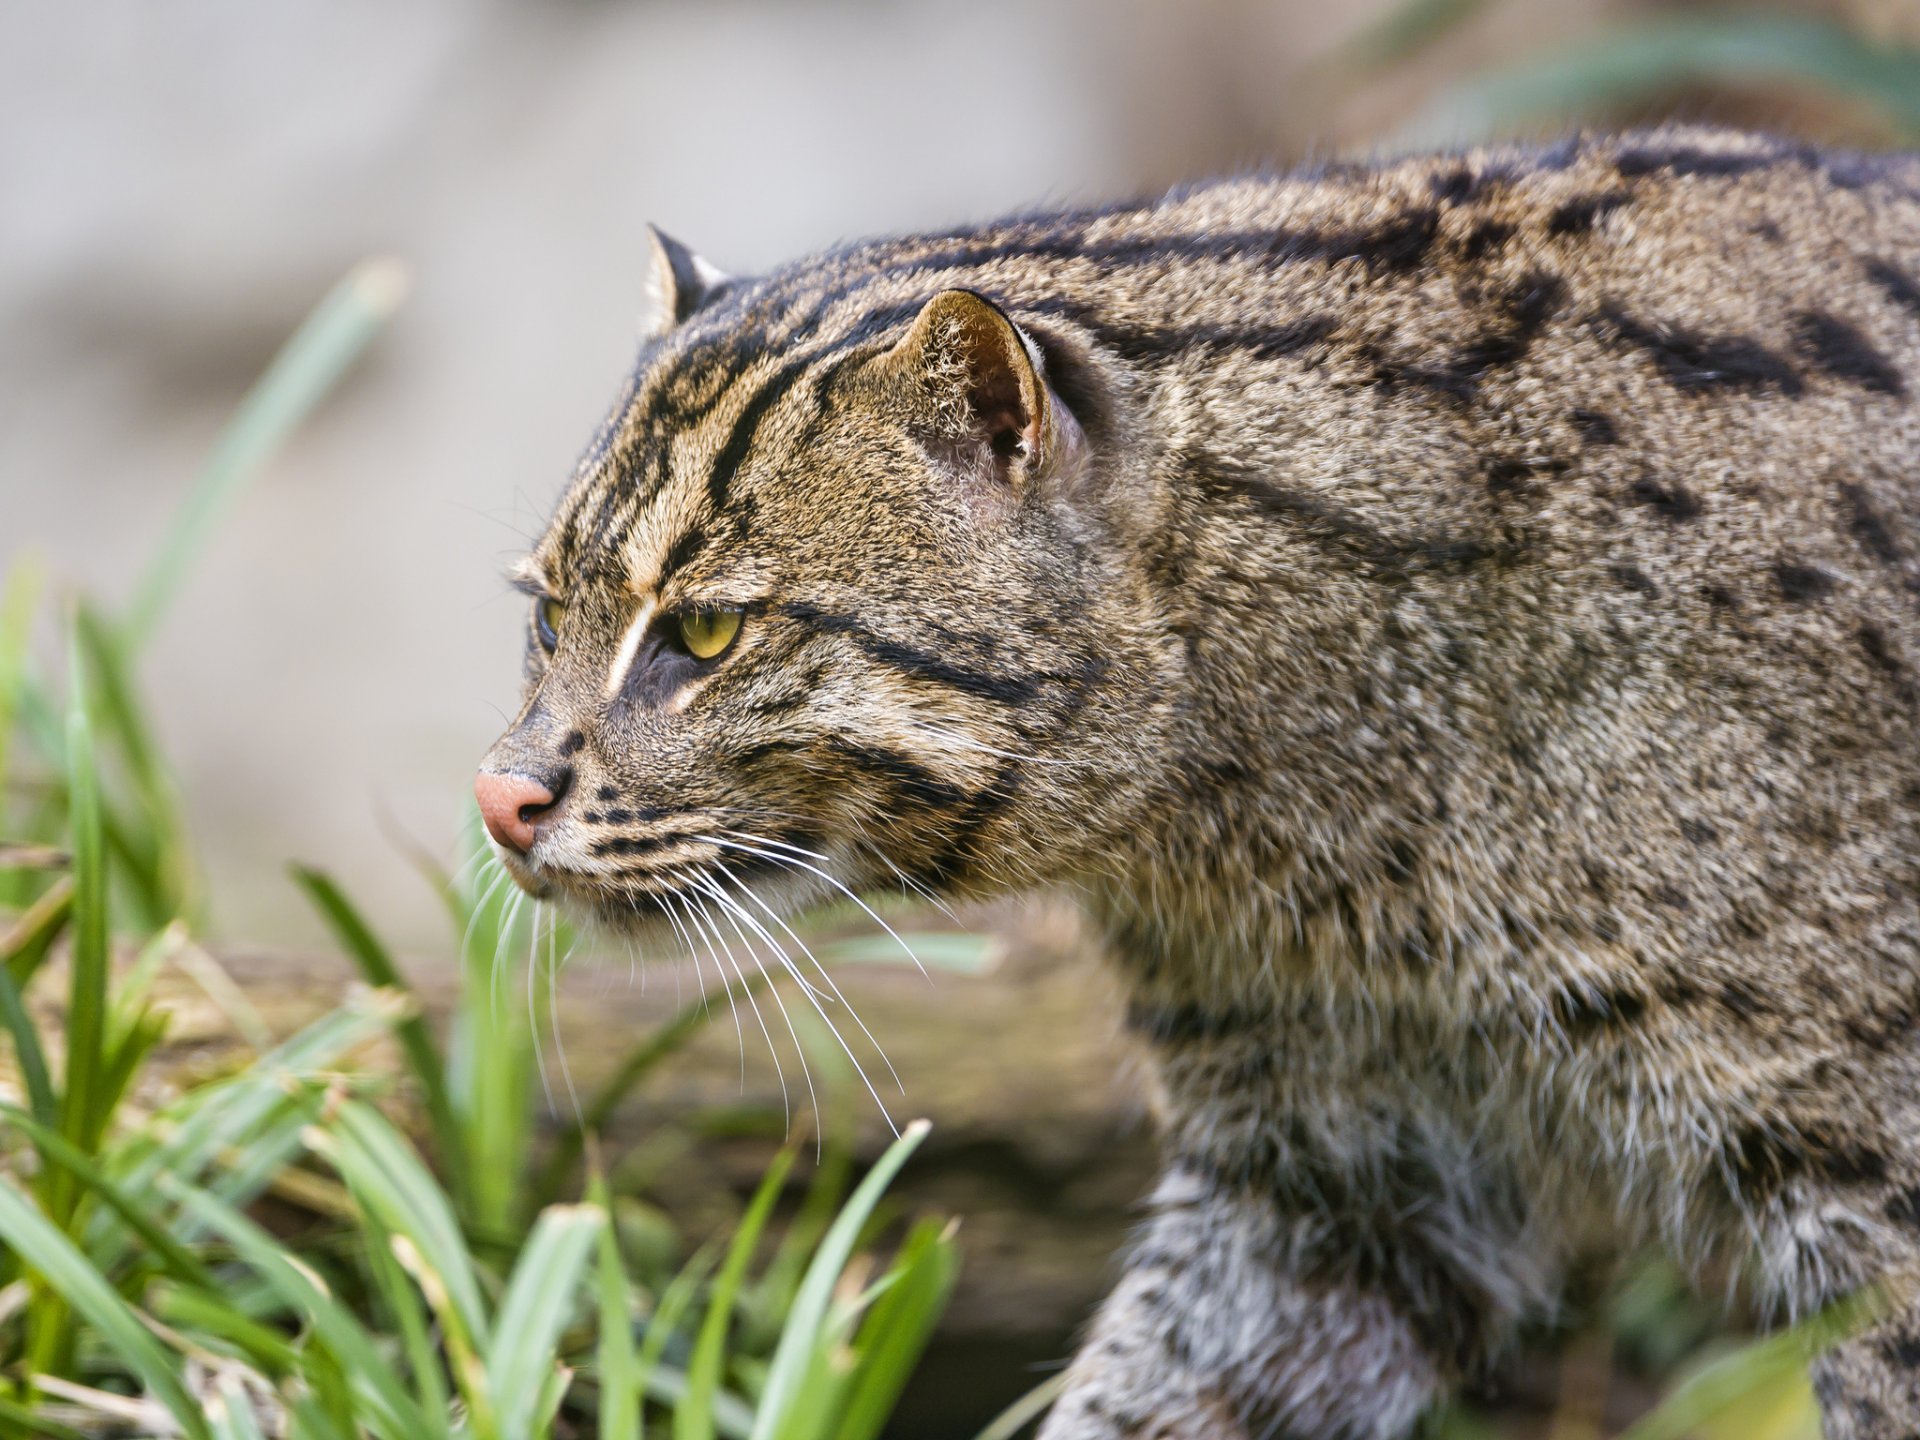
1452, 621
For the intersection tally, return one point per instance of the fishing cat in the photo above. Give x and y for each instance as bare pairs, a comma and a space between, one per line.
1455, 624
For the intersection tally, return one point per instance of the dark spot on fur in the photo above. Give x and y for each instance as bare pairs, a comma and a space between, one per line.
1580, 214
1720, 597
1595, 428
1670, 502
1487, 235
1738, 998
1399, 245
573, 744
1692, 361
1672, 897
1526, 309
1849, 169
1582, 1011
1698, 831
1764, 1158
1801, 583
607, 792
1455, 186
1688, 160
1507, 477
1632, 577
1844, 353
1902, 1351
1868, 525
1873, 641
1904, 1207
1766, 230
1902, 288
1402, 859
1184, 1024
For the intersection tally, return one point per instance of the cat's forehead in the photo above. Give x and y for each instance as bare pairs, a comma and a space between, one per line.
704, 438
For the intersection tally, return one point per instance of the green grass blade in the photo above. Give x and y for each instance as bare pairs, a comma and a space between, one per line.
693, 1418
665, 1323
217, 1324
957, 953
154, 840
617, 1362
27, 945
387, 1178
294, 382
404, 1304
1410, 27
794, 1357
56, 1150
416, 1041
228, 1114
896, 1329
545, 1285
83, 1112
386, 1407
1640, 61
17, 1419
230, 1411
1024, 1411
490, 1072
90, 1295
27, 1052
1768, 1375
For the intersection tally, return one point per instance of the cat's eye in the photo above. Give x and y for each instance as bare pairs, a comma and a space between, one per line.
705, 634
547, 615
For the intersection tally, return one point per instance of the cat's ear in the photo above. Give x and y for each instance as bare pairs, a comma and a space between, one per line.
983, 388
682, 281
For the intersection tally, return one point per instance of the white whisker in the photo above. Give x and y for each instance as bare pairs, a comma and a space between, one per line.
533, 1011
733, 907
806, 1070
553, 1014
831, 880
772, 915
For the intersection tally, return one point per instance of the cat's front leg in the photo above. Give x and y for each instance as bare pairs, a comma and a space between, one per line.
1225, 1327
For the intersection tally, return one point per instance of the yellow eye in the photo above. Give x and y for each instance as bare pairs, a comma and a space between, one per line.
547, 615
704, 634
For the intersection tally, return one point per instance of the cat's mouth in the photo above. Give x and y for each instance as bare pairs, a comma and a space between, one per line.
755, 880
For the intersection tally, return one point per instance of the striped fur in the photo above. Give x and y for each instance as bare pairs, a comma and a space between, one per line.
1453, 621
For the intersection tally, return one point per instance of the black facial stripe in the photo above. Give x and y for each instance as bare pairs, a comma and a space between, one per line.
640, 844
906, 775
912, 661
952, 861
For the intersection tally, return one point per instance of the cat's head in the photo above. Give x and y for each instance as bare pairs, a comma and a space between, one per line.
833, 603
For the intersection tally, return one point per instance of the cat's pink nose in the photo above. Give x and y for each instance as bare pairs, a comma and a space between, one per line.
511, 806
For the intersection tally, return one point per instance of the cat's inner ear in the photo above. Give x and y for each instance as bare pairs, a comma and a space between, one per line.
682, 281
985, 387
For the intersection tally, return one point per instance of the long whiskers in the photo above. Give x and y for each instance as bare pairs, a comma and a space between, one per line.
806, 1070
748, 891
813, 870
737, 912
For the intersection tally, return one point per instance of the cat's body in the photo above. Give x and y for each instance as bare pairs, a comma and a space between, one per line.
1456, 623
